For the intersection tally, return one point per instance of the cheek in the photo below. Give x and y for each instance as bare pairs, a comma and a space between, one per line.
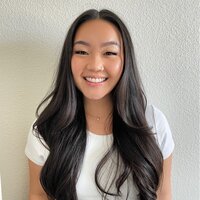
75, 66
115, 68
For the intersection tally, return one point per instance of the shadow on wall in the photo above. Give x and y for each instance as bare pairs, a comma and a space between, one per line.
26, 72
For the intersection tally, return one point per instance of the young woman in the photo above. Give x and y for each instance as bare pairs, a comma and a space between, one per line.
97, 138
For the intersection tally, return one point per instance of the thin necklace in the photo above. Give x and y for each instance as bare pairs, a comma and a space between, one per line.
98, 118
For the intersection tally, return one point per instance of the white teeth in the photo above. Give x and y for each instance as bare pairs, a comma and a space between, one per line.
95, 80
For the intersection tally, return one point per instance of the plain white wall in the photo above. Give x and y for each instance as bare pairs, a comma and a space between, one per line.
165, 35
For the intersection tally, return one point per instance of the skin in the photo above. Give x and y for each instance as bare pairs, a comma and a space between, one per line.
164, 192
87, 58
36, 191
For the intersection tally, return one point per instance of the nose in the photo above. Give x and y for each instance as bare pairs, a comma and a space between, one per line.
95, 63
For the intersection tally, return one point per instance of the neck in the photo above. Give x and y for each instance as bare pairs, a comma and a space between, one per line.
99, 108
98, 114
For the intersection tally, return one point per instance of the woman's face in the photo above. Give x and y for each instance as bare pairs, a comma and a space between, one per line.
97, 60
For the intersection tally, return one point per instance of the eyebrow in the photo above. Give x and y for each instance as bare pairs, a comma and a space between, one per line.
102, 45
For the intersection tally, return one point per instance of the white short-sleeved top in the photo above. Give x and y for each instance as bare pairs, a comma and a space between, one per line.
96, 147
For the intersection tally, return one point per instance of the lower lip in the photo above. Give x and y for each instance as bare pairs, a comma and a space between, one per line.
95, 84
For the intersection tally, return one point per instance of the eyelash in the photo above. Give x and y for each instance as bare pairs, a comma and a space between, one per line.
81, 53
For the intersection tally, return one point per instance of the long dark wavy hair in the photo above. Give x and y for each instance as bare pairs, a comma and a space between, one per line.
62, 125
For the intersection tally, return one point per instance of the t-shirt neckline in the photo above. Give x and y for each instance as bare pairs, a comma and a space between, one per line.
98, 135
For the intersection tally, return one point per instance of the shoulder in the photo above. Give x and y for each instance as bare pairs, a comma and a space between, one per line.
160, 126
36, 149
155, 117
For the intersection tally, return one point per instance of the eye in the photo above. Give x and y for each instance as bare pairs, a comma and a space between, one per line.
108, 53
81, 52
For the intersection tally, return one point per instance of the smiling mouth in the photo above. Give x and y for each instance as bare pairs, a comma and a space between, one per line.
95, 80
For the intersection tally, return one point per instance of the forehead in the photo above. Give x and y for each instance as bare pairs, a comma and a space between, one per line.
98, 31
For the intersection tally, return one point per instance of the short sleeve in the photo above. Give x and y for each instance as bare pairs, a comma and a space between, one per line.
34, 149
160, 126
163, 133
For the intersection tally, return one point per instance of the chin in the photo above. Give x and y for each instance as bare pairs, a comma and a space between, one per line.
95, 97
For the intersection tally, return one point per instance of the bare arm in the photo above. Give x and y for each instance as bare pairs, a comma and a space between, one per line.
36, 191
164, 192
